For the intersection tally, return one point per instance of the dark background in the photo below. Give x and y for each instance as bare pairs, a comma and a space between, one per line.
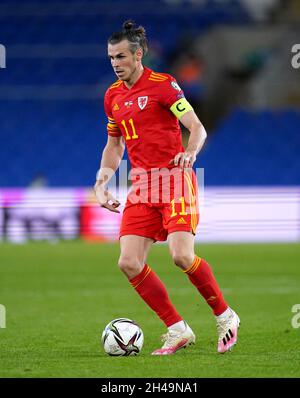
231, 57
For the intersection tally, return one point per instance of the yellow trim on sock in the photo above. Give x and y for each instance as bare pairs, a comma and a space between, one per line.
194, 266
145, 276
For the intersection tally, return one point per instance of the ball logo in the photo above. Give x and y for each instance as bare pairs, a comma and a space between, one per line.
296, 58
142, 102
2, 57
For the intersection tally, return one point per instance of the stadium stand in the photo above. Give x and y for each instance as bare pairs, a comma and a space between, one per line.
51, 113
254, 148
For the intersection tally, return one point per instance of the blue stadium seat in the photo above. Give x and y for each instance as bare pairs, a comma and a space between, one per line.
62, 138
251, 148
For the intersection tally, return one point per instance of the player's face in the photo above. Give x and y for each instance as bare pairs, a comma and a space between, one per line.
122, 60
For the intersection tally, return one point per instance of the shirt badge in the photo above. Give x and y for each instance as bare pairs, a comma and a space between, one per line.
128, 103
116, 107
175, 85
142, 102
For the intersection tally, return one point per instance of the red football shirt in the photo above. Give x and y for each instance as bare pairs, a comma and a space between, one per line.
142, 116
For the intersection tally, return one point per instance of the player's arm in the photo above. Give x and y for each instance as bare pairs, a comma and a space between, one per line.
187, 116
110, 161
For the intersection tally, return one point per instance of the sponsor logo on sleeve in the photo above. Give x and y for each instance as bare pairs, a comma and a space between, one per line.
176, 86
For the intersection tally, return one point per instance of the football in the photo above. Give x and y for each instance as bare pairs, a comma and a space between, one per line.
122, 337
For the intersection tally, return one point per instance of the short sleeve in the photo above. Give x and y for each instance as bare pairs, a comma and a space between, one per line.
112, 127
171, 92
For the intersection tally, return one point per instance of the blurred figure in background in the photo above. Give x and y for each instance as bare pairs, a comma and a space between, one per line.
39, 181
189, 74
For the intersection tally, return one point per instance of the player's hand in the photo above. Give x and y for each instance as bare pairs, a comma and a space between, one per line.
184, 159
105, 198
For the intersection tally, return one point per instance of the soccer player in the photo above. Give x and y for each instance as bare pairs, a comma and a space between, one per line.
143, 108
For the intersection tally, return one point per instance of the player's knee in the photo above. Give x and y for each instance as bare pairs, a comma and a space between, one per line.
129, 265
182, 259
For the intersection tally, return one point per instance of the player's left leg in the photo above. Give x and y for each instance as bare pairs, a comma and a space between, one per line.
181, 245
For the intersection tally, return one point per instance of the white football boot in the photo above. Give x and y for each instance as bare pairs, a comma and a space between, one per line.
227, 327
175, 340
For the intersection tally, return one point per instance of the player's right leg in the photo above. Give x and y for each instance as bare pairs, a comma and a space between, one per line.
139, 229
134, 251
143, 279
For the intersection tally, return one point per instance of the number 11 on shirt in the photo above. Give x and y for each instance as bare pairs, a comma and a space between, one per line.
134, 135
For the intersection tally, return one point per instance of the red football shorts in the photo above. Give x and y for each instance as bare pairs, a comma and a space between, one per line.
162, 209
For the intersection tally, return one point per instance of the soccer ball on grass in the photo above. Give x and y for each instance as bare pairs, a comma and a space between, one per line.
122, 337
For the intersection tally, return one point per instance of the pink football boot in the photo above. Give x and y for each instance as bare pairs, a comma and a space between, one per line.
174, 341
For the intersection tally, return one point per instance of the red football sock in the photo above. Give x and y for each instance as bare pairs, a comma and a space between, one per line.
200, 274
154, 293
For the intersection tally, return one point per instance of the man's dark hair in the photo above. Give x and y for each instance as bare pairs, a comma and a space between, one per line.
136, 37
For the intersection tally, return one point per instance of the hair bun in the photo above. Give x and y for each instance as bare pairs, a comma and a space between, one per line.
128, 25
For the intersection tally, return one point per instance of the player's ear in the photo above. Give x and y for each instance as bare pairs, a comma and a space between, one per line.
139, 54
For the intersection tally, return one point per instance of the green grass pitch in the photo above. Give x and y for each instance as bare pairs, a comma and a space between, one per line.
59, 297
